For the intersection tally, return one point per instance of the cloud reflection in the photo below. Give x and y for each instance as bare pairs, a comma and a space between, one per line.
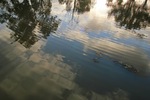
113, 49
37, 76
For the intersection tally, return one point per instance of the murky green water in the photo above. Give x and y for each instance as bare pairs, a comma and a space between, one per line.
74, 50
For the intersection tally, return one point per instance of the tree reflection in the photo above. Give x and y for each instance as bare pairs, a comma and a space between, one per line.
26, 17
79, 6
130, 14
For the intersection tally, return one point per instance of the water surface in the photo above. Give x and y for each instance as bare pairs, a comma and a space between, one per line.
74, 50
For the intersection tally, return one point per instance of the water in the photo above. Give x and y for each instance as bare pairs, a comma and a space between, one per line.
74, 50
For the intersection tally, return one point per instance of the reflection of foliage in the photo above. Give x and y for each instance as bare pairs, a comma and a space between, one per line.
23, 33
23, 18
130, 15
80, 6
48, 25
67, 2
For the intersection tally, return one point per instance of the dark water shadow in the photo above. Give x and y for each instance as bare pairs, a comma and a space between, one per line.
5, 96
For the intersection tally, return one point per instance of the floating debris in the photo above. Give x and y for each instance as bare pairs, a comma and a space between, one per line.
84, 54
99, 54
127, 66
141, 35
96, 60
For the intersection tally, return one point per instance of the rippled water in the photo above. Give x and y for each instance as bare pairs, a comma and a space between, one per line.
74, 50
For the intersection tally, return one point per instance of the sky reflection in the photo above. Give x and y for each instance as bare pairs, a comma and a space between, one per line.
80, 53
37, 75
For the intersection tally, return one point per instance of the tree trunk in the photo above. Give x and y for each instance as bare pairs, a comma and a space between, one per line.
144, 4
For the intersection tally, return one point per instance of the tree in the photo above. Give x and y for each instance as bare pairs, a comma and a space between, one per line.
130, 15
79, 6
22, 18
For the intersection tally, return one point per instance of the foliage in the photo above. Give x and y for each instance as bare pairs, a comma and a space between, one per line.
130, 15
23, 18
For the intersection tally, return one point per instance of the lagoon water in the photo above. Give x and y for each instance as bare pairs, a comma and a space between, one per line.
74, 50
